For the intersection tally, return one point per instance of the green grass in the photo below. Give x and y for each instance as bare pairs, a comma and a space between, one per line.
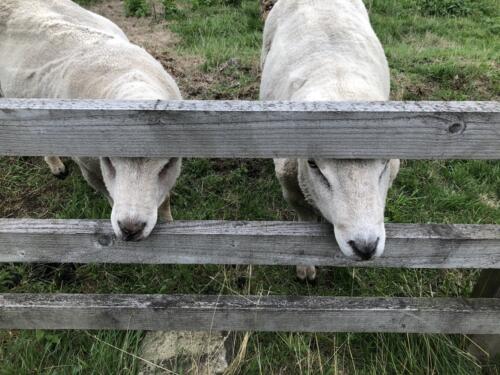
230, 31
440, 58
137, 8
434, 54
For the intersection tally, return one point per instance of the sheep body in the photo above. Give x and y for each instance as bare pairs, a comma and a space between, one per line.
326, 50
322, 50
57, 49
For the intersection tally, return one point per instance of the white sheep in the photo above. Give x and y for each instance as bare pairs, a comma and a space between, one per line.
56, 49
326, 50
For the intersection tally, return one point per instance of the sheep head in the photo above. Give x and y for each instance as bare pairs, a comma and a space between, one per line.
137, 188
351, 195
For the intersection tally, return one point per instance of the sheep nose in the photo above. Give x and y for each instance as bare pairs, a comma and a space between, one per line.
365, 250
131, 230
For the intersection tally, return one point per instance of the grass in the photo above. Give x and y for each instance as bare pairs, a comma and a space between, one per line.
230, 31
434, 55
137, 8
440, 58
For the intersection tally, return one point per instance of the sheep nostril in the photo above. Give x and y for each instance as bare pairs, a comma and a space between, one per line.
365, 250
131, 230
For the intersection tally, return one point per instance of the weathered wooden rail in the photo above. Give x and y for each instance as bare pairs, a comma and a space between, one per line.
259, 243
418, 130
243, 313
411, 130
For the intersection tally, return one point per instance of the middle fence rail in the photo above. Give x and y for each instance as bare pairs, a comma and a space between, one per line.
258, 243
418, 130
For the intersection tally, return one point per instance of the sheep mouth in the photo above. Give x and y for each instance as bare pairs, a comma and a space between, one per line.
135, 238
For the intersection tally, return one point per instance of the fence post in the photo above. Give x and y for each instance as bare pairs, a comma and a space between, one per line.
486, 347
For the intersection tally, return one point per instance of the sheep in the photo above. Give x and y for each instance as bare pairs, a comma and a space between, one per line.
326, 50
56, 49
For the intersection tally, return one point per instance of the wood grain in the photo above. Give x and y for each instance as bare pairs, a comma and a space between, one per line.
226, 129
260, 243
249, 313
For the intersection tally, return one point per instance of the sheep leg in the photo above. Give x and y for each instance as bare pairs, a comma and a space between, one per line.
287, 173
305, 214
165, 211
57, 167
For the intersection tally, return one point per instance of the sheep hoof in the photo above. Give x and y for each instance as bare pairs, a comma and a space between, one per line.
306, 273
162, 220
61, 175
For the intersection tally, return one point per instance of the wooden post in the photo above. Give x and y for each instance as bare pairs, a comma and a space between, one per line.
486, 347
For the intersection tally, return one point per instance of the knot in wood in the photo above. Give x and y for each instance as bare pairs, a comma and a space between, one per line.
456, 128
105, 240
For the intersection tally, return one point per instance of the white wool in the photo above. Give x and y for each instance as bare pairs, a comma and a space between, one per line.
57, 49
322, 50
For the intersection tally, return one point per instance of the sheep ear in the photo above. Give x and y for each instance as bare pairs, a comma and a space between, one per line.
166, 169
394, 170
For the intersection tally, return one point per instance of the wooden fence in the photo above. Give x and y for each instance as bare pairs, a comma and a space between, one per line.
419, 130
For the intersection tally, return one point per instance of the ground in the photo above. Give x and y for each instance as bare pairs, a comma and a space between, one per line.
438, 50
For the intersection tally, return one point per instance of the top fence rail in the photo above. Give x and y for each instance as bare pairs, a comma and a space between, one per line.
225, 129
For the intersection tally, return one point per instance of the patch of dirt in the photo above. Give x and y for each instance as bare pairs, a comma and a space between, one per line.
218, 84
403, 88
151, 33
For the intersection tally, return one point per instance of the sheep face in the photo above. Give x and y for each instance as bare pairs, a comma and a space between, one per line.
137, 187
351, 195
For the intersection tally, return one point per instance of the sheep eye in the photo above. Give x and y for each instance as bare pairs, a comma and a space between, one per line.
312, 164
110, 166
